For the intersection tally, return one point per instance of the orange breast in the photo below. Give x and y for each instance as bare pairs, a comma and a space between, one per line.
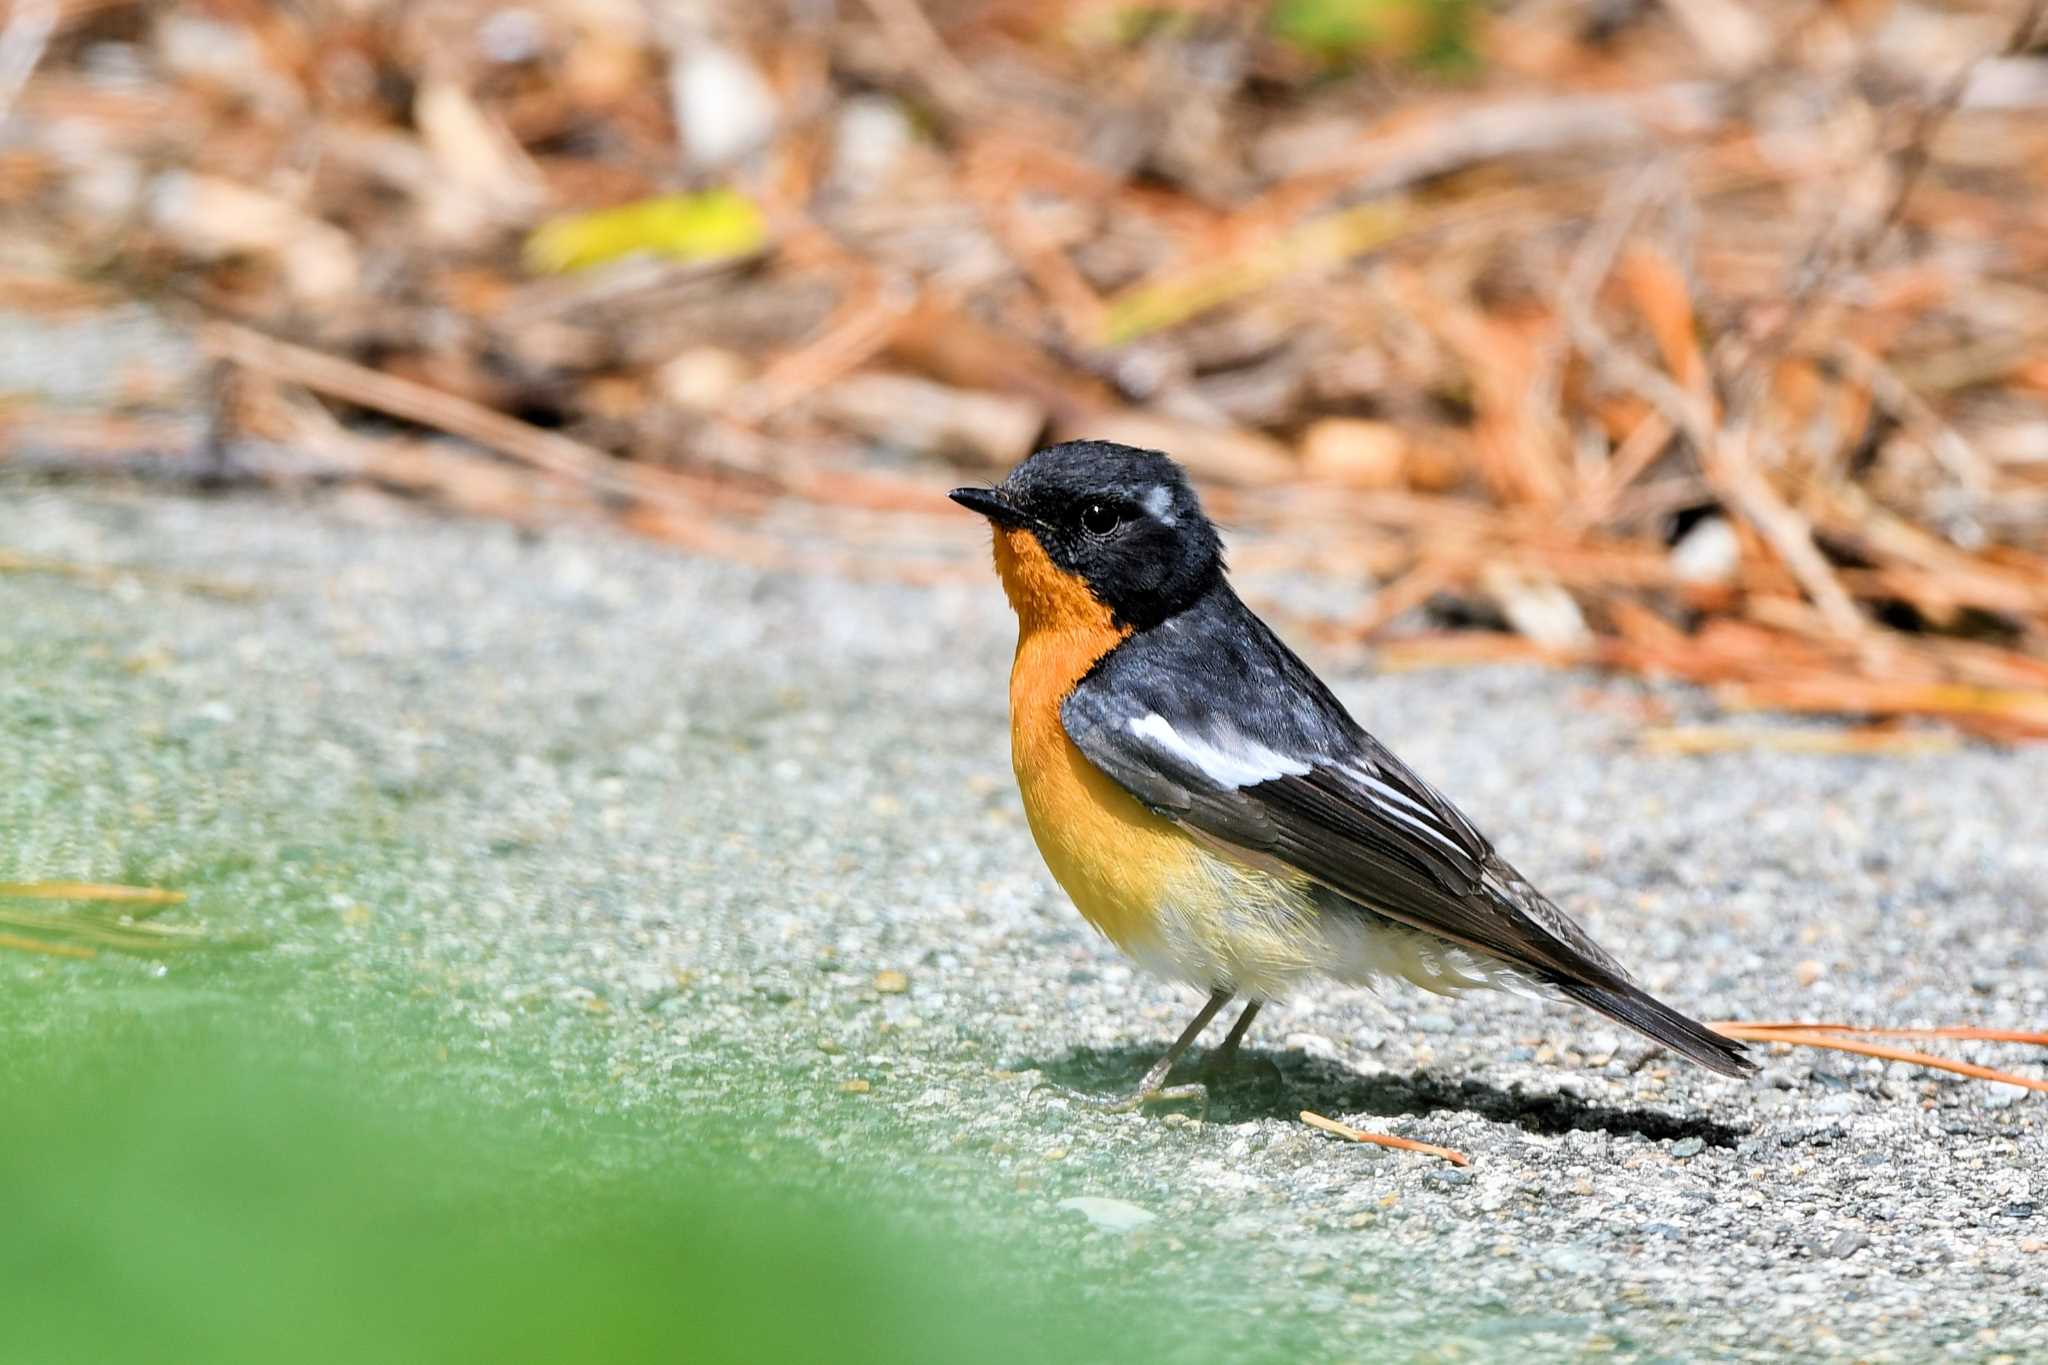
1115, 858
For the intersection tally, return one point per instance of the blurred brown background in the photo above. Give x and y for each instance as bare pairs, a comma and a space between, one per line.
1706, 338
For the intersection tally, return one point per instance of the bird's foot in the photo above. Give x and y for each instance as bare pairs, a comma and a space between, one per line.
1135, 1099
1132, 1101
1153, 1089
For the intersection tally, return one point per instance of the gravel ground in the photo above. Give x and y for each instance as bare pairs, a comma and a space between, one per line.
698, 835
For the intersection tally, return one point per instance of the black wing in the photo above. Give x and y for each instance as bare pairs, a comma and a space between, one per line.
1209, 719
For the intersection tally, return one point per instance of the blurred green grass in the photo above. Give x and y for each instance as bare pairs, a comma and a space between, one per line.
177, 1191
299, 1155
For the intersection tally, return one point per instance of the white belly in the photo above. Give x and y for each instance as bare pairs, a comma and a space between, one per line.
1234, 927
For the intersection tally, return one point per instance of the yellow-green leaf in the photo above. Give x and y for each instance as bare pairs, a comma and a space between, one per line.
714, 225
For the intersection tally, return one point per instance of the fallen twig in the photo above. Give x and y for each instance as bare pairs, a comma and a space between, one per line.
1716, 739
90, 891
22, 943
1829, 1037
1958, 1032
415, 402
1400, 1144
22, 44
82, 932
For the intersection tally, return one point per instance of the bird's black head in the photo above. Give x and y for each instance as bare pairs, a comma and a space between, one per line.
1124, 521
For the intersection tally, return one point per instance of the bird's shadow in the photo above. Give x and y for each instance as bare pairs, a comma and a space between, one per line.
1269, 1084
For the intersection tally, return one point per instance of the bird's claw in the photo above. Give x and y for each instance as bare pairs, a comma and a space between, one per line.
1132, 1101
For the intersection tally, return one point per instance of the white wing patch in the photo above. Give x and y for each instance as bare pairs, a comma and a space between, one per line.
1244, 763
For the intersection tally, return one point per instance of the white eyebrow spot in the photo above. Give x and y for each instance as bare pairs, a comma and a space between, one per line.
1159, 504
1245, 763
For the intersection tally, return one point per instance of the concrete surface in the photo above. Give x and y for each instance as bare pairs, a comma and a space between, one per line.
685, 834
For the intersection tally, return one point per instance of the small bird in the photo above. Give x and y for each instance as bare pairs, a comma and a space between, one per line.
1213, 809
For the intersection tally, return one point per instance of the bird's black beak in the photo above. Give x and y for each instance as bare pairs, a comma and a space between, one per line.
991, 503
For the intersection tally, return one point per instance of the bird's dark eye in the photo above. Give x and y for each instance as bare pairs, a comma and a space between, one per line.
1099, 518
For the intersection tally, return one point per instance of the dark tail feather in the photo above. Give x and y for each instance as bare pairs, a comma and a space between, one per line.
1660, 1023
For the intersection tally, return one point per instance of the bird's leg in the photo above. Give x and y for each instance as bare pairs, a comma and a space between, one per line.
1224, 1058
1152, 1087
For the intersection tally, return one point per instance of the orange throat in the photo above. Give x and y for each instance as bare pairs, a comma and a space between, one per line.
1047, 597
1062, 630
1108, 852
